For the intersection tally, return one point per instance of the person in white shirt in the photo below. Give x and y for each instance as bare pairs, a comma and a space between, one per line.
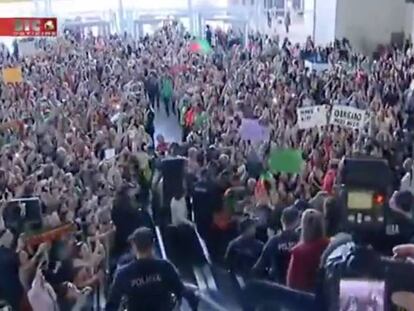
407, 181
41, 296
179, 211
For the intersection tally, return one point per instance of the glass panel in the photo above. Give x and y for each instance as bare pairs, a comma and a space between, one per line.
156, 5
73, 8
24, 8
13, 9
212, 3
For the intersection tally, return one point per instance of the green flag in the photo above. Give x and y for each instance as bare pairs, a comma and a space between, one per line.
286, 161
200, 46
201, 120
266, 176
183, 110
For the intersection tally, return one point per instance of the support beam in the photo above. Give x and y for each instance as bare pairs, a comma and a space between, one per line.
121, 19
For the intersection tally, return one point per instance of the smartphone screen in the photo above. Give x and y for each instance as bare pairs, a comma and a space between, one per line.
361, 295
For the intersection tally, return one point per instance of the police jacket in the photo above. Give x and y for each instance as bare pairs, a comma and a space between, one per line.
276, 255
147, 284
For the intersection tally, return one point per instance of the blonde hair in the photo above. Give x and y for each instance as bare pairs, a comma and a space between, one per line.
313, 225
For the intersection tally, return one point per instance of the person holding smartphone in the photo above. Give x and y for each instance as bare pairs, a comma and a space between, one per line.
42, 296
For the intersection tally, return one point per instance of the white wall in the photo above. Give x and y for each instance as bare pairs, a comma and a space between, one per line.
308, 17
409, 20
367, 23
324, 28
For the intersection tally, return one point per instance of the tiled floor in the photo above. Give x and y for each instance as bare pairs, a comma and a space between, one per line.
168, 127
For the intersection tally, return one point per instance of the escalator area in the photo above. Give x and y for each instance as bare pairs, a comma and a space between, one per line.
185, 248
183, 251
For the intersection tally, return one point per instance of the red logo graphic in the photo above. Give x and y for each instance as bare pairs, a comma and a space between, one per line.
28, 27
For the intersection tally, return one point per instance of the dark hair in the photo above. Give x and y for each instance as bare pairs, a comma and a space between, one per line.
142, 238
246, 224
332, 215
290, 216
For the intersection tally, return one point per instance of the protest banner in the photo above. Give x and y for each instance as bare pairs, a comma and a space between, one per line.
12, 75
318, 67
50, 235
252, 130
346, 116
309, 117
286, 161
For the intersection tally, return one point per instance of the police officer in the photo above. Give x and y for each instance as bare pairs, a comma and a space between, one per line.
400, 227
243, 251
205, 198
147, 283
276, 253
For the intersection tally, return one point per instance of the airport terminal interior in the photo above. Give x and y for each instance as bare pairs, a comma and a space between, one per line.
212, 155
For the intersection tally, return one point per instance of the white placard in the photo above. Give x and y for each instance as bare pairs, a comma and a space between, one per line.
346, 116
109, 153
310, 117
318, 67
115, 117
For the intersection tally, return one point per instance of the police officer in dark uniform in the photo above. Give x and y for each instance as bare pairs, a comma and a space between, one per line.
147, 283
243, 251
276, 254
400, 227
205, 198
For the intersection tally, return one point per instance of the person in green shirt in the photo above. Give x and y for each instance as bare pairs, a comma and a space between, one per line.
167, 89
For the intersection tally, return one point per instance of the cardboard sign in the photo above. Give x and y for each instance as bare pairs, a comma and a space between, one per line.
310, 117
252, 130
109, 153
350, 117
12, 75
318, 67
286, 161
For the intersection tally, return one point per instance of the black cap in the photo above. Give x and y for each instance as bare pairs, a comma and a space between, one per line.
290, 215
142, 238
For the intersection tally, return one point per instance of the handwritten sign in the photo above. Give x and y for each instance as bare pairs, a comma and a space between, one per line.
345, 116
310, 117
12, 75
252, 130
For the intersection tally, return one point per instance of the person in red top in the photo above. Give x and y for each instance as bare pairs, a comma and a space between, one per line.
305, 257
330, 177
162, 145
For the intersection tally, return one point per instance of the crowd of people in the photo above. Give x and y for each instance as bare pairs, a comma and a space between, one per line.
79, 134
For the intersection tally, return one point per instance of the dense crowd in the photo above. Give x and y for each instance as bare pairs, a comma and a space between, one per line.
78, 133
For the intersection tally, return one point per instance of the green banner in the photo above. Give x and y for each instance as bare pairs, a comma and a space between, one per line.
286, 161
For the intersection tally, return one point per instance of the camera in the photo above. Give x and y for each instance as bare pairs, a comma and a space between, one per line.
356, 277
